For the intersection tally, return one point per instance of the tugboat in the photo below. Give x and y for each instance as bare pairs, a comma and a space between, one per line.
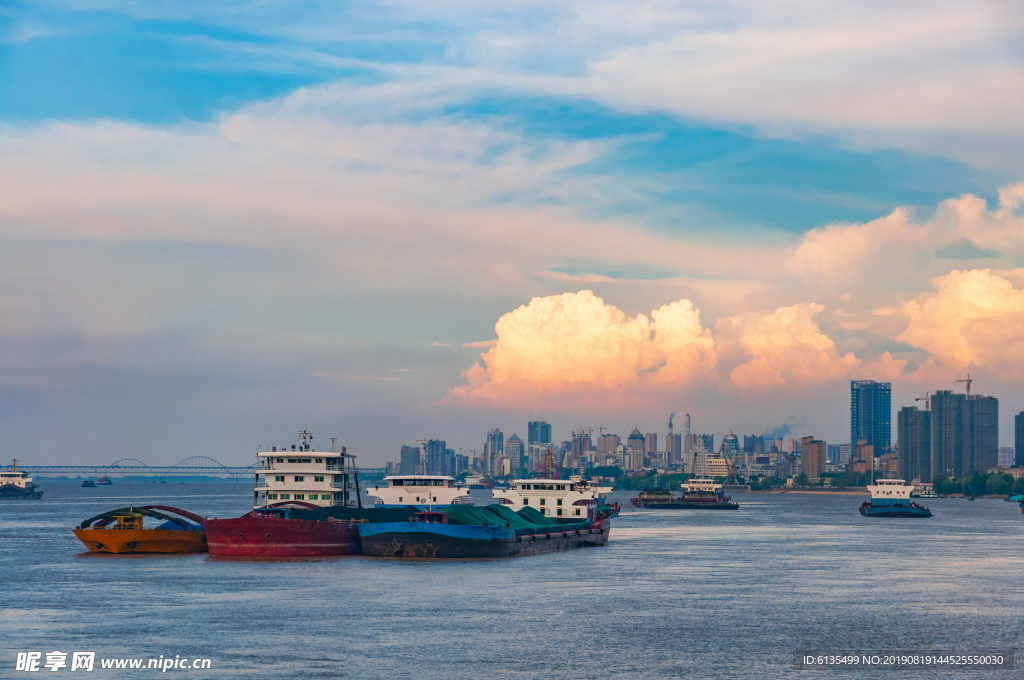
891, 498
700, 493
16, 485
128, 535
88, 484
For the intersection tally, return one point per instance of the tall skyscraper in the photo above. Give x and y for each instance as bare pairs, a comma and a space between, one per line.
538, 432
494, 446
650, 443
607, 445
812, 457
965, 433
636, 442
871, 412
914, 443
1018, 439
434, 451
409, 463
833, 454
690, 443
515, 452
981, 433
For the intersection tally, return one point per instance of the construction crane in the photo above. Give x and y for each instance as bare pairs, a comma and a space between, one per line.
730, 464
926, 399
968, 381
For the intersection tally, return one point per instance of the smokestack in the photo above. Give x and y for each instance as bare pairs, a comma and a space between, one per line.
687, 423
671, 416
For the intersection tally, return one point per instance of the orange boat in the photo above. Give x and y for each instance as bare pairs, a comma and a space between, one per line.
128, 535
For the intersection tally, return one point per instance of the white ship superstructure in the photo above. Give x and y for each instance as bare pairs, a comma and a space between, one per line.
15, 484
322, 478
553, 497
429, 492
890, 489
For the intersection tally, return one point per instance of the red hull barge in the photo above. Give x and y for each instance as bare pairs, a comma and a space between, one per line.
270, 534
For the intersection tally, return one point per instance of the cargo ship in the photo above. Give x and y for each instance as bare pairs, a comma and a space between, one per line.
272, 532
463, 531
16, 485
700, 493
426, 492
891, 498
104, 481
129, 535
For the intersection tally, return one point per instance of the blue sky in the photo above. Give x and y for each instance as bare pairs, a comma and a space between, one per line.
208, 204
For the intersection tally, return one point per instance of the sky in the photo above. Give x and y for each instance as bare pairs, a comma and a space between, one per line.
396, 221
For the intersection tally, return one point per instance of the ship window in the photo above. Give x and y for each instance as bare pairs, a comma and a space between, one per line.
278, 478
285, 496
319, 460
272, 496
280, 460
299, 496
293, 460
299, 479
526, 501
542, 501
399, 499
318, 479
544, 511
559, 511
577, 511
397, 482
559, 501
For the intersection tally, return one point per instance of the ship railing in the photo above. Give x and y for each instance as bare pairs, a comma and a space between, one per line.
261, 484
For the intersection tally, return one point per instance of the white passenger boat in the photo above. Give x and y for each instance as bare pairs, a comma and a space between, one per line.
552, 497
427, 492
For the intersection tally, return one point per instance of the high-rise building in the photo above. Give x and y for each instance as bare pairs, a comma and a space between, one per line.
965, 433
753, 444
914, 443
981, 434
516, 454
607, 445
690, 443
1018, 439
947, 432
538, 432
696, 461
731, 444
434, 457
812, 457
635, 441
674, 448
580, 448
494, 446
1005, 456
409, 464
833, 454
845, 450
461, 464
650, 443
871, 412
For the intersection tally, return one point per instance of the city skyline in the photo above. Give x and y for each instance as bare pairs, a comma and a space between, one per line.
396, 222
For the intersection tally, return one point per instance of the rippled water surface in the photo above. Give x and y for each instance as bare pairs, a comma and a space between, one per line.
674, 594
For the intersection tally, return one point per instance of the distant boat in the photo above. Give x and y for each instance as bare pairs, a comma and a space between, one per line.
104, 481
891, 498
89, 484
17, 485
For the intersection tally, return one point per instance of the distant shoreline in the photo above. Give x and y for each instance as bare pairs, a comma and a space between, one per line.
847, 492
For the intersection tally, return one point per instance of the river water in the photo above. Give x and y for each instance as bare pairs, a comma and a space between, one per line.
674, 594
